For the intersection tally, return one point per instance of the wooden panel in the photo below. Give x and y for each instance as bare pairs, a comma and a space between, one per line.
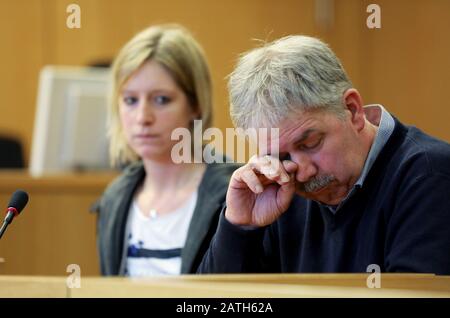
226, 286
105, 26
32, 287
406, 63
124, 288
56, 228
20, 61
403, 65
266, 285
428, 282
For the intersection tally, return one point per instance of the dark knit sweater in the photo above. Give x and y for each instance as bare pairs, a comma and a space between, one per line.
399, 220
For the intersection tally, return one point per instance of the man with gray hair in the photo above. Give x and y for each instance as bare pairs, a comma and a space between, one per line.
347, 187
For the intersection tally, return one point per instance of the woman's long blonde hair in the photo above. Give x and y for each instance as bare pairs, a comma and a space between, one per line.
174, 48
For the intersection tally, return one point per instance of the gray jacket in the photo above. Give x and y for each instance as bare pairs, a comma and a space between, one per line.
113, 207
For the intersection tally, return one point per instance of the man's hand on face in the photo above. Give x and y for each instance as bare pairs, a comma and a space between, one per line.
260, 191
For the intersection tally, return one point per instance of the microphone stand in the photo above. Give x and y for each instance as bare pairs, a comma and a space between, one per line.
7, 221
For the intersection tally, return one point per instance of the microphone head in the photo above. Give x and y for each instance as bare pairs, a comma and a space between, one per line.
18, 200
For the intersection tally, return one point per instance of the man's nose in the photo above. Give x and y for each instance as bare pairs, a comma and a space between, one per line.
306, 167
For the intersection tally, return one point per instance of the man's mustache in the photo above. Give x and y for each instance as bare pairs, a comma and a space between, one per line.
316, 183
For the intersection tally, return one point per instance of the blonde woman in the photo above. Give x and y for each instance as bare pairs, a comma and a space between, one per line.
157, 218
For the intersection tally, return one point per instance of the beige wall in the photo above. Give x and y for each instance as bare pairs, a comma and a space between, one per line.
404, 65
408, 63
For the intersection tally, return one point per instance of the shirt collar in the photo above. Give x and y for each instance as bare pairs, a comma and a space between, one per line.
385, 129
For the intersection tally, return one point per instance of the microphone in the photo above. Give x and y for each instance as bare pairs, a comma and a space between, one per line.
16, 204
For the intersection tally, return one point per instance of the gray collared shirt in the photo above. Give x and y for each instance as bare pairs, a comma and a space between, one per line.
385, 129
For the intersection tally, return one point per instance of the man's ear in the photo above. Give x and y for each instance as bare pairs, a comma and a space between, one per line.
353, 103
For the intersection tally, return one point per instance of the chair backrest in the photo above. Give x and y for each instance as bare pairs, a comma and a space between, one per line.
11, 154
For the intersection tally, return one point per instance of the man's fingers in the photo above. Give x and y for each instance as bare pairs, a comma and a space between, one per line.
250, 178
284, 196
270, 167
290, 166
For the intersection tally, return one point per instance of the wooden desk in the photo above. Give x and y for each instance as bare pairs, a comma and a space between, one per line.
232, 286
32, 287
56, 228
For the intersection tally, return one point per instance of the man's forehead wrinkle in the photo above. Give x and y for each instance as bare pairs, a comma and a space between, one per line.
293, 131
